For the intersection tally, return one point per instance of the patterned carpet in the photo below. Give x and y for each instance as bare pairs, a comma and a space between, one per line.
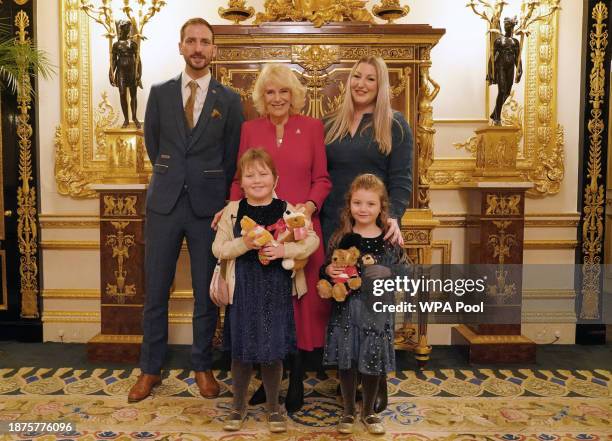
444, 405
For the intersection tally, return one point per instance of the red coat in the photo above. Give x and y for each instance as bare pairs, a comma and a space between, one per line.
302, 170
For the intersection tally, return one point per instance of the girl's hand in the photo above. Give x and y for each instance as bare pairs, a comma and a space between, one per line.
394, 234
216, 219
250, 242
274, 251
334, 271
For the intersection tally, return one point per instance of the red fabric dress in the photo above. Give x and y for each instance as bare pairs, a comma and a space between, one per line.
302, 170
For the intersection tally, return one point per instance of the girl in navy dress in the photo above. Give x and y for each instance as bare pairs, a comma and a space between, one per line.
359, 339
261, 322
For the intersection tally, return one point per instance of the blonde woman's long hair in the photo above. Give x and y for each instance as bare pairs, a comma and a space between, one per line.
340, 123
366, 181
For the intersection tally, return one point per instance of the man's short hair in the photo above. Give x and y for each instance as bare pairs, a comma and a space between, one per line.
196, 21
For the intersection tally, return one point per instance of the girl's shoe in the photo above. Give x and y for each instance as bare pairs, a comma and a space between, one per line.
277, 423
233, 422
374, 424
346, 424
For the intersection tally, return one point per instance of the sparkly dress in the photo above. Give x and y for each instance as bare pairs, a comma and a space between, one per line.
261, 322
357, 336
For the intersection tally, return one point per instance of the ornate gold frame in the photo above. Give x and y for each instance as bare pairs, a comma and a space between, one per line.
541, 160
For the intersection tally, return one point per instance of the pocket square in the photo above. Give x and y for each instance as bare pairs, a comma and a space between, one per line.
215, 114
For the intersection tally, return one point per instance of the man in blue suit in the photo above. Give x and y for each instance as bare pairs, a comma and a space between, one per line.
192, 132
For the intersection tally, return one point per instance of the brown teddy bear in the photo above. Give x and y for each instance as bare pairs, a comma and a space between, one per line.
295, 227
347, 281
260, 235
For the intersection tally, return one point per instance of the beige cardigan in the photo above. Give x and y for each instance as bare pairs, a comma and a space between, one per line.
227, 247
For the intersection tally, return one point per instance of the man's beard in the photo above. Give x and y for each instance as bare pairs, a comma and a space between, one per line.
197, 67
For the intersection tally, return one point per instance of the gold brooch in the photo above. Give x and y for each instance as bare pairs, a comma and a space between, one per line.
215, 114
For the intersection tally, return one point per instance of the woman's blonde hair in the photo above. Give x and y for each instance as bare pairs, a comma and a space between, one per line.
368, 182
282, 76
340, 123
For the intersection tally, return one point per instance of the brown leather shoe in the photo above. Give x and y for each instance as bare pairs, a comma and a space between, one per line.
209, 388
143, 387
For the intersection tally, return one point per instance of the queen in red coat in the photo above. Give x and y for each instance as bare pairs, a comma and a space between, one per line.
296, 144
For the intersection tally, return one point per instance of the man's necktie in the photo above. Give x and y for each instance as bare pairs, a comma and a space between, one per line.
190, 102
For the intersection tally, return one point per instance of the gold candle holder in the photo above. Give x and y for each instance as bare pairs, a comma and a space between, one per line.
390, 10
236, 11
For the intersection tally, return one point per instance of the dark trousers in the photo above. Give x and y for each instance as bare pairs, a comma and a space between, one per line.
164, 234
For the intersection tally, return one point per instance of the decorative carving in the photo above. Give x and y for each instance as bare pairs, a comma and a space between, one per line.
496, 153
502, 242
502, 289
119, 206
503, 205
276, 53
594, 193
27, 226
315, 59
238, 54
393, 53
236, 11
404, 79
226, 80
390, 10
120, 243
105, 117
333, 104
318, 12
544, 140
414, 236
425, 131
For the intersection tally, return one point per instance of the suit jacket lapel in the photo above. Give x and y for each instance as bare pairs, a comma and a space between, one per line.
179, 111
209, 103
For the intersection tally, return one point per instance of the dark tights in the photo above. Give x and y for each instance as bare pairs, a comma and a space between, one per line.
271, 374
348, 385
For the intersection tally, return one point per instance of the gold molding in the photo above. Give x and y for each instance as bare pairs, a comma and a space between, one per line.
59, 316
115, 338
594, 192
27, 227
81, 294
543, 156
474, 338
68, 224
549, 294
528, 317
446, 247
70, 245
94, 294
554, 244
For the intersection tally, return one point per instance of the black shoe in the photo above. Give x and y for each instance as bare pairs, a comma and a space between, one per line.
382, 398
295, 392
259, 397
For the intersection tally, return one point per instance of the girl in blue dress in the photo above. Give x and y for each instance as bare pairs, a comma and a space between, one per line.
261, 323
359, 338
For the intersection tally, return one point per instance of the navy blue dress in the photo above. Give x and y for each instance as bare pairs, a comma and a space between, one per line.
261, 321
351, 156
357, 336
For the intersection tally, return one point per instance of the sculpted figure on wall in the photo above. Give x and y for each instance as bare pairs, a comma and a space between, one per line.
125, 71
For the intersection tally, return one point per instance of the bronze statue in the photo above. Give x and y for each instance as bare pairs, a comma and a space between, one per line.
428, 91
506, 57
125, 70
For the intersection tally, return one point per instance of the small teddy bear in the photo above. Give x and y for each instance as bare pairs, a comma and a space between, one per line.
347, 281
260, 235
296, 225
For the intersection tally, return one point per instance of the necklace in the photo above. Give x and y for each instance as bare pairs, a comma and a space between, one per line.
279, 142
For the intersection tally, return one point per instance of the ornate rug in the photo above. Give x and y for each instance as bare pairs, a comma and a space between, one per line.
444, 405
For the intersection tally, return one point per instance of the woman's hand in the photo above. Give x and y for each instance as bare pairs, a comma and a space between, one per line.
394, 234
250, 242
334, 271
309, 208
274, 251
216, 219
